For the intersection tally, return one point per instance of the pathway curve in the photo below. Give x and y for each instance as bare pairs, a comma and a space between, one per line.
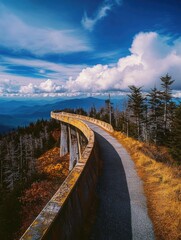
122, 212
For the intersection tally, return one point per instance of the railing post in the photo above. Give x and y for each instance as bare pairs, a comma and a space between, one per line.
63, 140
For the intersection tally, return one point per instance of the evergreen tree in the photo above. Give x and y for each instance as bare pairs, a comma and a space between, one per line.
17, 169
166, 96
109, 109
175, 144
136, 106
93, 112
161, 109
81, 111
155, 122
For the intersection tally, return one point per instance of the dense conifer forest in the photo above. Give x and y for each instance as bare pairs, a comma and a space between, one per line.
151, 117
18, 153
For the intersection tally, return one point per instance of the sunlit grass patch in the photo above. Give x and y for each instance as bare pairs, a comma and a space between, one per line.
162, 185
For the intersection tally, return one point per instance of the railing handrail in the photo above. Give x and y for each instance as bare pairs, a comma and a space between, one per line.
106, 126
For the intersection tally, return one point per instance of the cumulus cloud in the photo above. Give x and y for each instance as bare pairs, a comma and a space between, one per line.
6, 86
13, 84
44, 87
47, 86
18, 35
177, 94
89, 22
151, 56
27, 89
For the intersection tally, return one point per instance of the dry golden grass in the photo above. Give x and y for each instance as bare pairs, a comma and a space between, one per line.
162, 186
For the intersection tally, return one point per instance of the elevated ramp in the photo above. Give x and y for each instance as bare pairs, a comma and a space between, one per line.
122, 211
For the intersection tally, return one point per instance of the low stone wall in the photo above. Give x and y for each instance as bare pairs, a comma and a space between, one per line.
64, 215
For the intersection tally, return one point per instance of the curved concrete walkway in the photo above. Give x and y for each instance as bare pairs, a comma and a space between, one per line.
122, 212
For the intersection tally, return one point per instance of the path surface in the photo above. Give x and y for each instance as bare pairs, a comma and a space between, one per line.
122, 212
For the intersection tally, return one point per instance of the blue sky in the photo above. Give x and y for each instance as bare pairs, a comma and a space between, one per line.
76, 46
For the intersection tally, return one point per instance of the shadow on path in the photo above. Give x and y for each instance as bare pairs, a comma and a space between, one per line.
113, 216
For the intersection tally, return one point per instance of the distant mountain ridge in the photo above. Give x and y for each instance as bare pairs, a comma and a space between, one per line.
4, 128
14, 113
85, 103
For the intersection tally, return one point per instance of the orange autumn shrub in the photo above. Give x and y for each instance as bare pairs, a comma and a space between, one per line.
52, 165
55, 170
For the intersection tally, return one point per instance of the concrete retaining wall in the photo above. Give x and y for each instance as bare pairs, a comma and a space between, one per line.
64, 215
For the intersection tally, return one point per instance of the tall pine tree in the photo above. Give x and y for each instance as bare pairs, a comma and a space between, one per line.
155, 113
167, 106
175, 143
136, 106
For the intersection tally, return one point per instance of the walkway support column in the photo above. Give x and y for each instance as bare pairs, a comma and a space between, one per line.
78, 144
63, 140
73, 148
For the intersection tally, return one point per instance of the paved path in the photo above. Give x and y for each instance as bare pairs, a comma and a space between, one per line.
122, 212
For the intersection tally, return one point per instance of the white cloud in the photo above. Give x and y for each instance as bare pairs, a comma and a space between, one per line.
89, 22
27, 89
11, 83
55, 71
18, 35
151, 57
93, 79
3, 85
177, 94
6, 86
47, 86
